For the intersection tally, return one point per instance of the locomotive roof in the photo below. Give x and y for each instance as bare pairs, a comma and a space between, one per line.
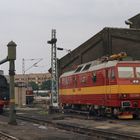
96, 65
67, 73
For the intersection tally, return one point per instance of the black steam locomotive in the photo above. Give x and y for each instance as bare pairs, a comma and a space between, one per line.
4, 92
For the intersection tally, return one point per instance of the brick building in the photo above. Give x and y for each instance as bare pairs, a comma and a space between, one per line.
38, 78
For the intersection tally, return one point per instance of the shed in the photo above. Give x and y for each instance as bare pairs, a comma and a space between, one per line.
106, 42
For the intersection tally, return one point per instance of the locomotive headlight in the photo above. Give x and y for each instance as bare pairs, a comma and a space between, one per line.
124, 95
135, 81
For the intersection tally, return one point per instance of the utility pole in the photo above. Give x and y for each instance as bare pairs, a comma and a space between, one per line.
33, 65
26, 76
54, 71
23, 66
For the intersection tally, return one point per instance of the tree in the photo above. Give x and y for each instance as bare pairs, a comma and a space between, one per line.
34, 85
46, 85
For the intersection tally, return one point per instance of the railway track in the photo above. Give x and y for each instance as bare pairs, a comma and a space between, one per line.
4, 136
96, 133
83, 113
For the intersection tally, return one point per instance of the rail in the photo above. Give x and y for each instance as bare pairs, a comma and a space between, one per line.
97, 133
4, 136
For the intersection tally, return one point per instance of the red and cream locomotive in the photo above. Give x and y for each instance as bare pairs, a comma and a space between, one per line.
110, 87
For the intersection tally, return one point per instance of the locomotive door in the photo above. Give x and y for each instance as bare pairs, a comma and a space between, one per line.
74, 83
110, 81
112, 77
107, 89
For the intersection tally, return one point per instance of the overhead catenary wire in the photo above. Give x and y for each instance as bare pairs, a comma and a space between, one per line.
33, 65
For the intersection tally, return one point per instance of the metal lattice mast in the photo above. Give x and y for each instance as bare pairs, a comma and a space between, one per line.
54, 73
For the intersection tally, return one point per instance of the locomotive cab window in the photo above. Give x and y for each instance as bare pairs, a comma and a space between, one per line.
111, 74
138, 72
125, 72
86, 67
78, 69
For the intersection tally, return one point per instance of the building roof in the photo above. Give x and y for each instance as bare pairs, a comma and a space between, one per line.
134, 22
106, 42
98, 66
135, 17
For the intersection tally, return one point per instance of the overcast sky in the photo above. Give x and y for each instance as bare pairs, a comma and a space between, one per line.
29, 22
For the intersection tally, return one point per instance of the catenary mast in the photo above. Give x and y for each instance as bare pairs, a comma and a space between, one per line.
54, 72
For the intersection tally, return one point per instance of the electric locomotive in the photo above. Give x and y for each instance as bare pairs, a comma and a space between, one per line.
110, 87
